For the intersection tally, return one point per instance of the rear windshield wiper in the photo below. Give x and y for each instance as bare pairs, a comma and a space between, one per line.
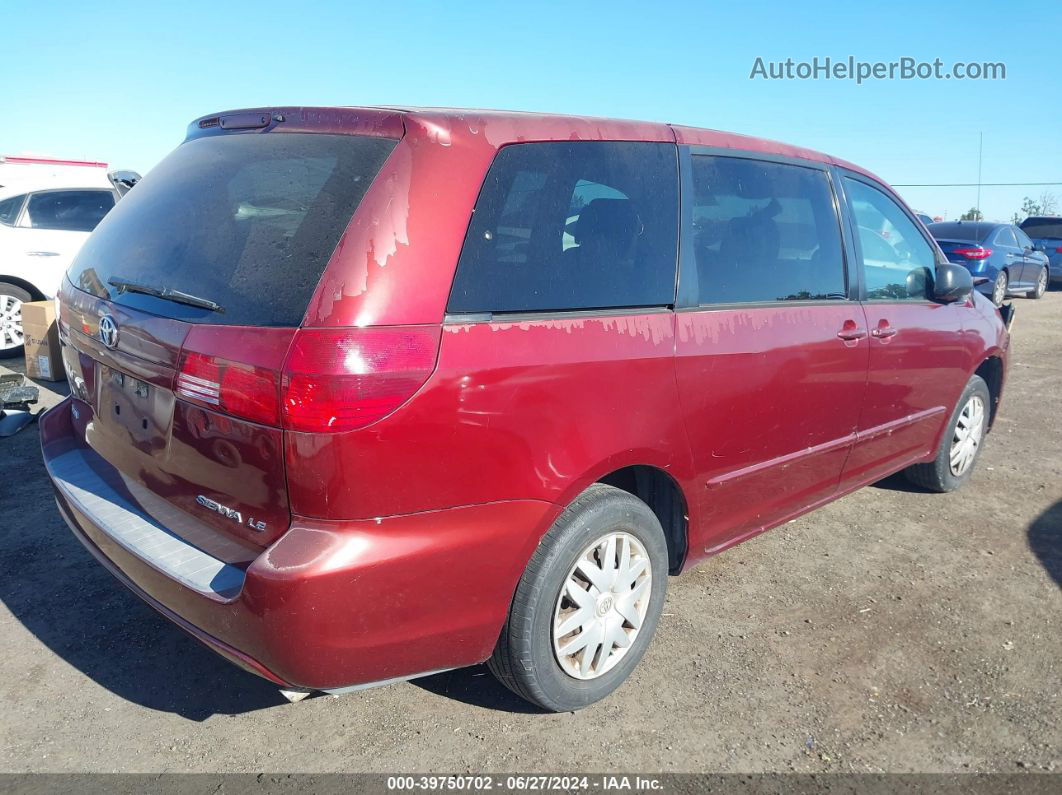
165, 293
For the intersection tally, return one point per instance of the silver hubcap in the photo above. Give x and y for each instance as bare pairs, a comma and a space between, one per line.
1000, 291
602, 605
10, 322
1041, 284
967, 438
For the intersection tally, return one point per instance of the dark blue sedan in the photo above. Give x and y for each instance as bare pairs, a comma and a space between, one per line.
1001, 254
1046, 234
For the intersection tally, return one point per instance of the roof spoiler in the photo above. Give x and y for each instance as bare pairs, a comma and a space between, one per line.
48, 161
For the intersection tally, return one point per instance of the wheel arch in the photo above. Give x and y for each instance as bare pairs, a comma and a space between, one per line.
25, 285
665, 498
991, 370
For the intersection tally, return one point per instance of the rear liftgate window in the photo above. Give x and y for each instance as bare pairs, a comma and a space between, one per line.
247, 221
567, 226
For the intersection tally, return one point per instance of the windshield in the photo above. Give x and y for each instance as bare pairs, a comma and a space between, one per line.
247, 221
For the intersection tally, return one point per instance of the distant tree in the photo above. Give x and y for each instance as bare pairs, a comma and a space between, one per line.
973, 214
1029, 207
1047, 204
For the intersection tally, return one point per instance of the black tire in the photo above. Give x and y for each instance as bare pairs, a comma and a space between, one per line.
937, 475
1042, 279
999, 288
524, 659
13, 290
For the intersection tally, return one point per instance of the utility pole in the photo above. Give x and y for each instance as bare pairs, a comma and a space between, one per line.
980, 151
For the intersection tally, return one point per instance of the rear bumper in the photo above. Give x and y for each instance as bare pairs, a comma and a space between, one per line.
329, 605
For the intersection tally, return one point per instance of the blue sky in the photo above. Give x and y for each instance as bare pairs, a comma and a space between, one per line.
120, 81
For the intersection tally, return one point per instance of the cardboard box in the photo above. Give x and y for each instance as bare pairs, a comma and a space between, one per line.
44, 360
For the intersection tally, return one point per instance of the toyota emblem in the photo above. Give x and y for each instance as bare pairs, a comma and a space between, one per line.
108, 331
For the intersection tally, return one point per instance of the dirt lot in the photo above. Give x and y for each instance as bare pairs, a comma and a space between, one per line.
891, 631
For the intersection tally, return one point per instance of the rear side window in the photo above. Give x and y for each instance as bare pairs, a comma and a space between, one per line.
68, 210
1006, 237
898, 263
9, 209
1043, 228
563, 226
246, 220
764, 232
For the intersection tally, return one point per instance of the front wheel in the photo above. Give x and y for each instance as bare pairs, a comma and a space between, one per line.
12, 298
999, 288
961, 444
1041, 284
588, 603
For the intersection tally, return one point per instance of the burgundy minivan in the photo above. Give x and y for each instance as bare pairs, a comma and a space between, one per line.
362, 394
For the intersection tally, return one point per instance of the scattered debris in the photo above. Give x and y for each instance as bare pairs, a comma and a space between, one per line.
17, 392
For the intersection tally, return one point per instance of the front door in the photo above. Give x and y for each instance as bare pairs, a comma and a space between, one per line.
1034, 261
1013, 258
918, 361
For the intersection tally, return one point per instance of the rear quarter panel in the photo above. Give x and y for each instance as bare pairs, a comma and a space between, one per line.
38, 257
534, 409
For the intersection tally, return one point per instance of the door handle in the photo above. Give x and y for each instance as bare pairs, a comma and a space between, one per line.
883, 331
851, 333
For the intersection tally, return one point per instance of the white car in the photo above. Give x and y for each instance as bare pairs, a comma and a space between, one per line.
47, 210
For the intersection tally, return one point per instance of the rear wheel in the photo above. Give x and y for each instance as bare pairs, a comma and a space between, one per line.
1041, 284
961, 443
587, 604
12, 298
999, 288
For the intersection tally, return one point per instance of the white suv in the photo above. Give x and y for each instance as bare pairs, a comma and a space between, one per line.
47, 210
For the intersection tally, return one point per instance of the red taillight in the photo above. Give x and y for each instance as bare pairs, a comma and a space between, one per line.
1058, 250
342, 379
241, 390
235, 370
973, 253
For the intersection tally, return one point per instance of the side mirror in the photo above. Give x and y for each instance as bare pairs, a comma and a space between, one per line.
953, 283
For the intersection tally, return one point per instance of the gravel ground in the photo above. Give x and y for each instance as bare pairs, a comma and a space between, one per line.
893, 630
